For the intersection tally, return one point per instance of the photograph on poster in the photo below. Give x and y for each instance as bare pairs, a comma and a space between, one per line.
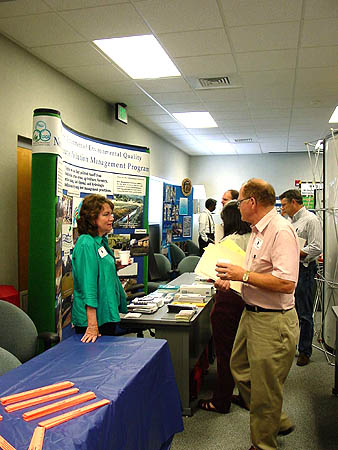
67, 289
183, 209
169, 236
139, 244
187, 226
77, 202
67, 238
128, 211
170, 193
177, 230
118, 241
67, 202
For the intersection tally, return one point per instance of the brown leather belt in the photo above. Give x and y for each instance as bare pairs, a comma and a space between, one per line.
254, 308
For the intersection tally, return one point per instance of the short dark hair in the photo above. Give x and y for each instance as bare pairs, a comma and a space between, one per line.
232, 222
210, 202
292, 194
89, 212
261, 190
234, 194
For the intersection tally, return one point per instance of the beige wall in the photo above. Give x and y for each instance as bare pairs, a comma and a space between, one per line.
26, 84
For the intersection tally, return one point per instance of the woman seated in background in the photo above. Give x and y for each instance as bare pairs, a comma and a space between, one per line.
98, 293
225, 316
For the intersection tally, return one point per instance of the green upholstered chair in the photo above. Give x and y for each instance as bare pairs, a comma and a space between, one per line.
18, 334
188, 264
7, 361
176, 254
191, 248
163, 270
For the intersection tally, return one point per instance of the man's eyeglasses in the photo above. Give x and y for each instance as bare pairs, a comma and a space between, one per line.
238, 203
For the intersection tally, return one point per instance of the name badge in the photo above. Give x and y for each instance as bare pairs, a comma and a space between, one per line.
258, 243
102, 252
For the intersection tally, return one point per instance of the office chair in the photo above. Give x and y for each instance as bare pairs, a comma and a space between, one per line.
176, 254
7, 361
18, 334
188, 264
162, 274
192, 249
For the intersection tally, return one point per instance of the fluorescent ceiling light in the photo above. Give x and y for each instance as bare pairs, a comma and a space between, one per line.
196, 119
334, 117
139, 56
221, 148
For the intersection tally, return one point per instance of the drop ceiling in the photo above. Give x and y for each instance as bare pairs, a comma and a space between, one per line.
281, 58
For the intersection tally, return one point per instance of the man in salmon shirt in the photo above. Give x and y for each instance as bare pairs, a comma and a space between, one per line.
268, 332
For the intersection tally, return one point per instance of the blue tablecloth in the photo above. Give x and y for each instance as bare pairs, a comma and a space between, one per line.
135, 374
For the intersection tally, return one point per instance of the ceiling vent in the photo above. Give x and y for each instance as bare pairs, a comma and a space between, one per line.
214, 82
243, 140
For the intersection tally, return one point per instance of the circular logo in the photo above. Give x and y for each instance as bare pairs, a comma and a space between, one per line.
186, 186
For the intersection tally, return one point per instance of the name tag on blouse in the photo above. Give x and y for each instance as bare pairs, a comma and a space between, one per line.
102, 252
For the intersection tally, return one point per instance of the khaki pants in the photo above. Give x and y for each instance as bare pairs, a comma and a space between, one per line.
261, 359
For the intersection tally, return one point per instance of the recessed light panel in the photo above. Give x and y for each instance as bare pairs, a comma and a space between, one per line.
196, 120
334, 117
141, 57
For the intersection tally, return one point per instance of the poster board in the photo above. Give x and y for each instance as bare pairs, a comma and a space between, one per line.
177, 214
67, 166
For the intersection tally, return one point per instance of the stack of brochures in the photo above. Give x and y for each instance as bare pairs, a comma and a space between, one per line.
142, 307
193, 298
184, 315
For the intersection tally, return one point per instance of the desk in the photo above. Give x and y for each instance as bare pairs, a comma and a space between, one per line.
135, 374
335, 389
186, 340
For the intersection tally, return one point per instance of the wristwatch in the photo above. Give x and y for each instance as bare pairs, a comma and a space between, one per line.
246, 276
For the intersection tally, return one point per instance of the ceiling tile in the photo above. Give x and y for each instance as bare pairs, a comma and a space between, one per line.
318, 57
318, 81
319, 32
170, 98
242, 149
250, 12
146, 110
185, 107
226, 106
164, 85
196, 43
320, 9
69, 55
233, 115
206, 66
22, 8
64, 5
33, 31
178, 15
270, 113
222, 94
94, 74
265, 37
268, 60
106, 21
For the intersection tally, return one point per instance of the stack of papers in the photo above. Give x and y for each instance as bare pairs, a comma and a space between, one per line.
193, 298
227, 250
143, 308
184, 315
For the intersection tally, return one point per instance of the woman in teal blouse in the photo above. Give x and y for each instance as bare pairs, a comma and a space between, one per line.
98, 293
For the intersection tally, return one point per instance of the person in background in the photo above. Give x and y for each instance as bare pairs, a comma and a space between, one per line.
265, 344
98, 293
308, 227
229, 195
206, 229
225, 316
